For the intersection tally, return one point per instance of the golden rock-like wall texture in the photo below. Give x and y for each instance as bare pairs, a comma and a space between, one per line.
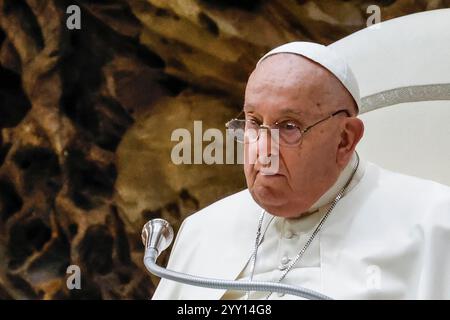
86, 117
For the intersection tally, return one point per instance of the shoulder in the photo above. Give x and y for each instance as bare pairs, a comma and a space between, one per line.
231, 210
406, 184
423, 199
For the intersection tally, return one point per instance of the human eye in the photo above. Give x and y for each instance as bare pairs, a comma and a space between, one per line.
288, 125
252, 121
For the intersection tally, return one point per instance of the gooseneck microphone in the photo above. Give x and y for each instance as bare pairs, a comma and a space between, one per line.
157, 235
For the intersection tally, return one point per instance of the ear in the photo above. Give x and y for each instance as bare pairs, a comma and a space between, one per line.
351, 133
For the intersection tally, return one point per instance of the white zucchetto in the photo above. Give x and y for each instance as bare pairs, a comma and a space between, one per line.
327, 58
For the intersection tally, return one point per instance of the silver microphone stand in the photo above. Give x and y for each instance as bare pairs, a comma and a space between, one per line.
157, 235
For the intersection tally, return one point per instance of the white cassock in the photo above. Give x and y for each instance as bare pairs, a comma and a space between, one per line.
387, 238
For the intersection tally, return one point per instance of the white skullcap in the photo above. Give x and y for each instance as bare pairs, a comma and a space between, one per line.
327, 58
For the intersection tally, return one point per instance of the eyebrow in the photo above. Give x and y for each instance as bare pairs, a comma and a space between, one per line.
291, 111
284, 111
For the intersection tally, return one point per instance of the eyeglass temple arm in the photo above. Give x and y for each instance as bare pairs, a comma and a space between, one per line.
330, 116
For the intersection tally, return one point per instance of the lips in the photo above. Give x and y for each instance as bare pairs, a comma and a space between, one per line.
269, 172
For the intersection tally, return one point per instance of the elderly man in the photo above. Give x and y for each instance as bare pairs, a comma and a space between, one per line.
323, 219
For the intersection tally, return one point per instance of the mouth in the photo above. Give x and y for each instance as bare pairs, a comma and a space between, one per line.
269, 173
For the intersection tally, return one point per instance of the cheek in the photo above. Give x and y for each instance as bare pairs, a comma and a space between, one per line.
250, 175
292, 161
250, 154
248, 169
300, 165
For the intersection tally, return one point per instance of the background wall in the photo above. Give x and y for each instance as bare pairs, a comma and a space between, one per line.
86, 117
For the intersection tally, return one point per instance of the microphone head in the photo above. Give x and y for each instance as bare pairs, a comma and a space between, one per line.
157, 234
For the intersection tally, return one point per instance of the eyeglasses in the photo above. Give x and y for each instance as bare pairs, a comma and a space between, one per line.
289, 133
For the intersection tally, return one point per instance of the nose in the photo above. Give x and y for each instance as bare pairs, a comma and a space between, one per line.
267, 146
264, 146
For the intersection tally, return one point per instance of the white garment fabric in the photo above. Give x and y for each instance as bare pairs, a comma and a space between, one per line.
326, 57
387, 238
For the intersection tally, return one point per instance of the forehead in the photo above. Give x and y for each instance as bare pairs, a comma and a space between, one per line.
289, 81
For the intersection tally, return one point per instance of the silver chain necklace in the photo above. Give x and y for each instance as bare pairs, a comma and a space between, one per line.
259, 239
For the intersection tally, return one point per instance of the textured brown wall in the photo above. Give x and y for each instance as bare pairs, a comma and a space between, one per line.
86, 116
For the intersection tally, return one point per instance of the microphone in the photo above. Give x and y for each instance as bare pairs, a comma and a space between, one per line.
157, 235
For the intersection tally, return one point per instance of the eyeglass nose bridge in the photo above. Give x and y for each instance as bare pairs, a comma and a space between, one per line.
265, 127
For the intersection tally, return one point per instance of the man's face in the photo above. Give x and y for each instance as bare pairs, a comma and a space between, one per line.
287, 87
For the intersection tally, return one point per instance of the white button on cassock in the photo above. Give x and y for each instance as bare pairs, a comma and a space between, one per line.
285, 260
284, 263
282, 267
288, 234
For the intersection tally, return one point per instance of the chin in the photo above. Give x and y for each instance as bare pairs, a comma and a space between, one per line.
275, 202
268, 198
